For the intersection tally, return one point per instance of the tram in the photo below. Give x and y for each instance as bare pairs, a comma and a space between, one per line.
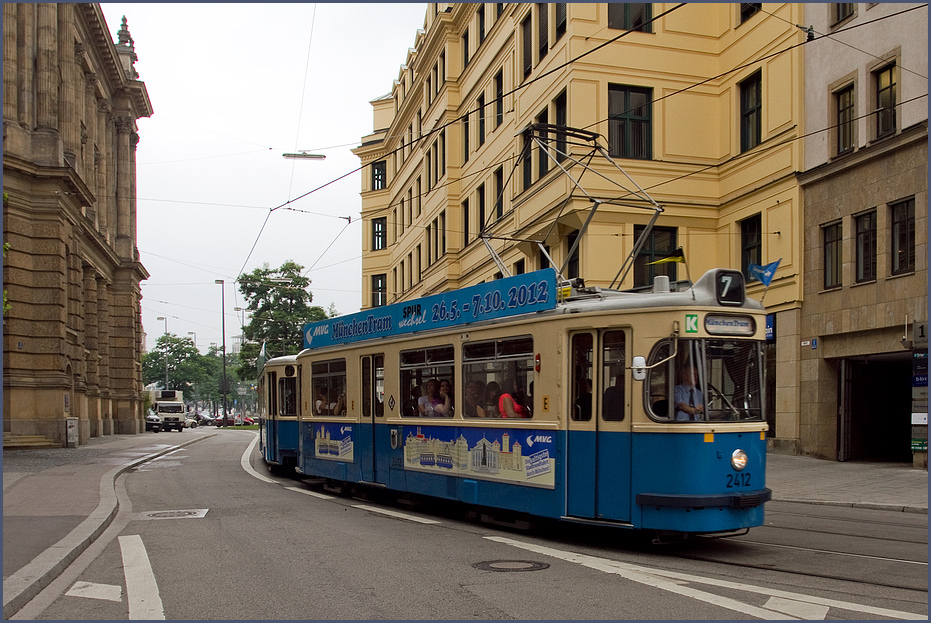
279, 399
636, 409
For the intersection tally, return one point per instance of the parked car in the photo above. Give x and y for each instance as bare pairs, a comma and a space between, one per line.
247, 421
190, 420
205, 419
153, 422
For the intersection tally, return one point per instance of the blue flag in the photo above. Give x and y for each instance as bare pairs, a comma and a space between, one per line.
764, 273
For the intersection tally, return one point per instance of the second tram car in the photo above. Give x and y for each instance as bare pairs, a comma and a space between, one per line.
279, 398
641, 410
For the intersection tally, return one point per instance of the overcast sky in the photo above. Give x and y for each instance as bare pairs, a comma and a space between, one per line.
233, 87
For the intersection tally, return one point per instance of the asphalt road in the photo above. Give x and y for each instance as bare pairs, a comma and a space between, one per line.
201, 536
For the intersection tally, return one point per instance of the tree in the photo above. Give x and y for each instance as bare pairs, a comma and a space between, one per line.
278, 311
181, 356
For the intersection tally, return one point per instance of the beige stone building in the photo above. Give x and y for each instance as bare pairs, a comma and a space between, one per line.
865, 198
72, 337
701, 105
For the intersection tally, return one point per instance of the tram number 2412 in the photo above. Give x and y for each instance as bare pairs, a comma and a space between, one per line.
741, 479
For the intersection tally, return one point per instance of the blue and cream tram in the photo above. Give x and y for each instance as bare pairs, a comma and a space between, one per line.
279, 397
636, 409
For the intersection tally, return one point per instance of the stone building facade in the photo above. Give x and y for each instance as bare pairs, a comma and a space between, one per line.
865, 197
72, 337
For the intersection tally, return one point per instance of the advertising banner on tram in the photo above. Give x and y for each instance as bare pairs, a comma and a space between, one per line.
521, 294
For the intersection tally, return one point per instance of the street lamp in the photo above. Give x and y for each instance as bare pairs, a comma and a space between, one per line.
166, 348
303, 155
223, 325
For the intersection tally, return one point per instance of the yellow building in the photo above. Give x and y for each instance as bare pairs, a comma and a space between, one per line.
700, 104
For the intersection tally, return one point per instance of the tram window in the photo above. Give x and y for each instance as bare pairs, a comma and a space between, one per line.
582, 377
427, 382
494, 368
287, 392
328, 379
373, 385
272, 407
612, 378
658, 387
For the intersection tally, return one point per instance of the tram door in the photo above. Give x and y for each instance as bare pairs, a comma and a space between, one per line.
598, 444
270, 430
373, 413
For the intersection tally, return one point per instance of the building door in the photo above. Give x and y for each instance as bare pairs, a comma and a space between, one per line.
598, 436
876, 416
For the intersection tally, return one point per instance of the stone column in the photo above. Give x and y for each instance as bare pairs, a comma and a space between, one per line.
91, 351
103, 355
9, 62
69, 123
25, 78
123, 349
124, 128
102, 162
47, 66
91, 155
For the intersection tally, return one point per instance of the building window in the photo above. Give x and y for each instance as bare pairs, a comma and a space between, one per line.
465, 48
543, 160
630, 132
429, 171
499, 98
751, 109
520, 267
442, 154
630, 16
527, 164
543, 29
833, 245
379, 233
866, 247
481, 119
749, 9
572, 266
465, 138
526, 29
560, 20
466, 234
845, 119
481, 23
379, 175
903, 237
751, 243
379, 290
480, 195
843, 10
885, 101
660, 243
562, 120
499, 192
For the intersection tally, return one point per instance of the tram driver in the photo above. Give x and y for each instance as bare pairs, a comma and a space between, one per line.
690, 405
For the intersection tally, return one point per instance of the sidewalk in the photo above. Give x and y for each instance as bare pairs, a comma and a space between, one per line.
57, 501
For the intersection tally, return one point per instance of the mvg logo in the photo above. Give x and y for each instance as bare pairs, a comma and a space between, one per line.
319, 330
539, 439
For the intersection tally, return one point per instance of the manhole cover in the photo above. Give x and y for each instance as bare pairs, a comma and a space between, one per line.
511, 565
197, 513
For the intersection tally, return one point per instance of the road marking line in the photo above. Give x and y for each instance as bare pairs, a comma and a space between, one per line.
660, 579
92, 590
385, 511
141, 588
246, 465
322, 496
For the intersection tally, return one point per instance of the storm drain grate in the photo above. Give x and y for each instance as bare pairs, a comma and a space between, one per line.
197, 513
511, 565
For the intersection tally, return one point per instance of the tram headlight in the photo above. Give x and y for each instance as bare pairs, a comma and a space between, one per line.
739, 460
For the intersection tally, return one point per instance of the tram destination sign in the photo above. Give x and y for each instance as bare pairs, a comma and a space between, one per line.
501, 298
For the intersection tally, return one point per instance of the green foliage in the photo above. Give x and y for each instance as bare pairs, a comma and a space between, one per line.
278, 311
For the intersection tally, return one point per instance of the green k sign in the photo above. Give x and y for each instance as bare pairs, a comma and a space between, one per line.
691, 323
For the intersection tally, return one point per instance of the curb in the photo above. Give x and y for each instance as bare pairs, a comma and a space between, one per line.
917, 510
22, 586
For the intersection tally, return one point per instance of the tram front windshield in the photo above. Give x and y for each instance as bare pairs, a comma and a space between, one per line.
702, 380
